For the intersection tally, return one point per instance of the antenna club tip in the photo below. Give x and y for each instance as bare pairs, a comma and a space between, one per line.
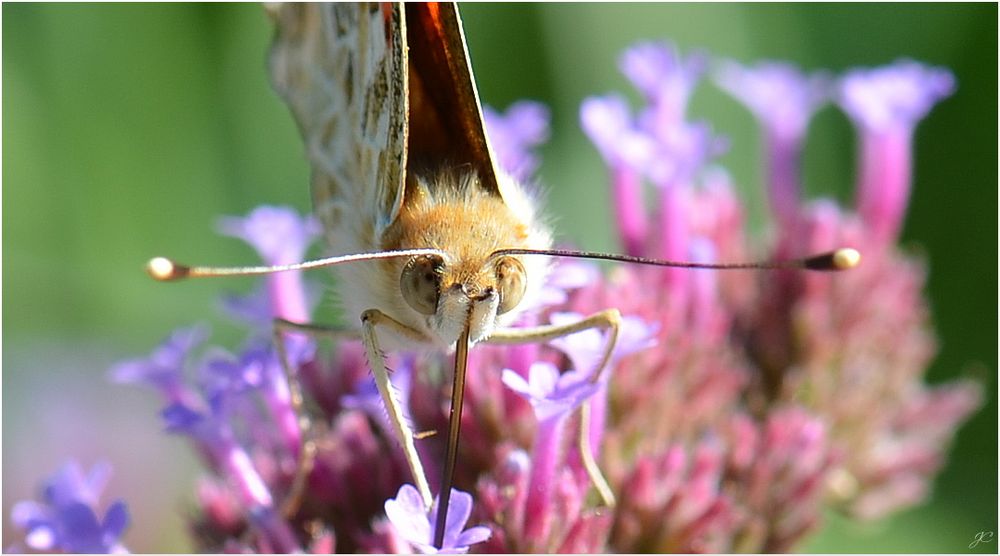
163, 269
846, 258
841, 259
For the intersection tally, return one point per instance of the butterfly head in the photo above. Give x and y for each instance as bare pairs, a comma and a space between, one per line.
465, 283
451, 293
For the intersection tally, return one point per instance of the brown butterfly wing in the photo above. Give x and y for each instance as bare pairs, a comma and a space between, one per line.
342, 69
372, 88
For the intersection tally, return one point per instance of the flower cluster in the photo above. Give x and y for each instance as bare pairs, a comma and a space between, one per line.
68, 518
737, 405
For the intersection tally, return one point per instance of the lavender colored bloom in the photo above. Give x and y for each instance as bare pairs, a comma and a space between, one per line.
281, 237
566, 275
781, 96
885, 105
609, 124
514, 133
206, 413
163, 369
367, 398
552, 395
783, 99
258, 369
667, 80
664, 77
416, 525
586, 348
893, 97
67, 519
660, 144
279, 234
611, 127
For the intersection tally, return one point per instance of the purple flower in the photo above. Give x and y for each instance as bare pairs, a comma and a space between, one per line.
586, 348
367, 398
611, 127
278, 234
258, 370
783, 99
163, 369
567, 274
893, 97
513, 135
552, 395
609, 124
67, 519
664, 77
885, 105
667, 80
660, 144
281, 237
416, 525
208, 415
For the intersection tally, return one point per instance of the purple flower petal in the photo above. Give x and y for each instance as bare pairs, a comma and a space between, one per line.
81, 531
662, 74
69, 484
163, 369
67, 521
115, 520
780, 96
459, 510
896, 96
566, 275
406, 512
551, 395
181, 419
27, 512
609, 124
278, 234
514, 134
585, 348
573, 274
682, 150
415, 524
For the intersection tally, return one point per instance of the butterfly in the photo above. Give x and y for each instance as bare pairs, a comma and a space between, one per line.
445, 250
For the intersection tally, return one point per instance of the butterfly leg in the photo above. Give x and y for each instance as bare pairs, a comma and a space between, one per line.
307, 452
370, 320
610, 320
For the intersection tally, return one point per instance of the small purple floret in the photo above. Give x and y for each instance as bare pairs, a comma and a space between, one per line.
416, 525
279, 234
552, 395
894, 96
67, 519
781, 97
515, 133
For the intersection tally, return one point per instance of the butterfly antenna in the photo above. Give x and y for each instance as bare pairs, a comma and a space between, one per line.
167, 270
454, 427
840, 259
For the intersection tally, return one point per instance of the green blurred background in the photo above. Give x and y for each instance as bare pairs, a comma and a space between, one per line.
129, 129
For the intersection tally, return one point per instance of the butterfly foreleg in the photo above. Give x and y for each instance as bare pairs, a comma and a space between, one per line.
307, 451
370, 320
610, 320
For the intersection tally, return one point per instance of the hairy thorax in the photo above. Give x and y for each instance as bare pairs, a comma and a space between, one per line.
468, 224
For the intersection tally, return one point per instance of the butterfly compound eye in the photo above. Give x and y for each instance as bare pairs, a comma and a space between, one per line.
420, 283
511, 282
